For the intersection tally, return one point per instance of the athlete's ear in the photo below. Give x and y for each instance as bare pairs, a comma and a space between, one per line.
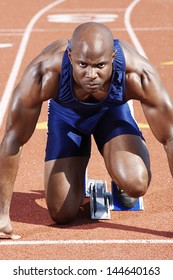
113, 55
69, 55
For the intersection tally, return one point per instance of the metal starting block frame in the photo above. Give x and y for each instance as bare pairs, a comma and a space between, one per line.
102, 201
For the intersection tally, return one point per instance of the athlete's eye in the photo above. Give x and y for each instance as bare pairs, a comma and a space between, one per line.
101, 65
82, 64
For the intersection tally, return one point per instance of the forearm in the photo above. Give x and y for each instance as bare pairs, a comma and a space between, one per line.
9, 163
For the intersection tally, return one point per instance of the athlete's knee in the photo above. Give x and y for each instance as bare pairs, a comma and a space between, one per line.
64, 215
137, 188
135, 184
65, 210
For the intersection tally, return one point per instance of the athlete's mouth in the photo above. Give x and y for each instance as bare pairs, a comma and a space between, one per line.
91, 84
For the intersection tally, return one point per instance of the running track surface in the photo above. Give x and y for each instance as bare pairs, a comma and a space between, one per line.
26, 27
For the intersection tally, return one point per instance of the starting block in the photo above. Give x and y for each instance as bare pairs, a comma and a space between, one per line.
102, 201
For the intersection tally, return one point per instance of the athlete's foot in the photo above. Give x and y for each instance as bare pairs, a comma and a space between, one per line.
9, 236
126, 200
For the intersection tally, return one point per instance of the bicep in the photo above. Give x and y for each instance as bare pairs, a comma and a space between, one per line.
23, 113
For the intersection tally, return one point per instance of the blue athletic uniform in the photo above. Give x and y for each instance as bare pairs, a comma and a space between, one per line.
72, 122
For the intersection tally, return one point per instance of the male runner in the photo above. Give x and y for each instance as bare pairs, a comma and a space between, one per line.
88, 81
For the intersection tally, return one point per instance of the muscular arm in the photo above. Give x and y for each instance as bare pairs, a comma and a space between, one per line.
160, 119
38, 84
144, 84
20, 126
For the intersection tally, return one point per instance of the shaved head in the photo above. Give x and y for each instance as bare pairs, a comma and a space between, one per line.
92, 34
91, 56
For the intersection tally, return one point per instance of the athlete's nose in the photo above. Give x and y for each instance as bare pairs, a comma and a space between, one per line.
91, 72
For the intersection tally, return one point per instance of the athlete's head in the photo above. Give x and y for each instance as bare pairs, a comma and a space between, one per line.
92, 55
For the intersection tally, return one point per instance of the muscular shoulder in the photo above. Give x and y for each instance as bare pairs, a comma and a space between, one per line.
50, 59
141, 76
43, 71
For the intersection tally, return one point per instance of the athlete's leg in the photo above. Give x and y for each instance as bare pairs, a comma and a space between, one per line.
67, 155
64, 187
127, 161
123, 147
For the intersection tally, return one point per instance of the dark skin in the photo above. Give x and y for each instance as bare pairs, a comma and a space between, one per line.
92, 68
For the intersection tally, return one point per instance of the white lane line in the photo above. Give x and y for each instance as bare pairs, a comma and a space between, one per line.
4, 30
68, 29
84, 242
130, 30
11, 32
2, 46
11, 35
133, 37
19, 57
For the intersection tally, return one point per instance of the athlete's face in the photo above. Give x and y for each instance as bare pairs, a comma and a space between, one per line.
92, 65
